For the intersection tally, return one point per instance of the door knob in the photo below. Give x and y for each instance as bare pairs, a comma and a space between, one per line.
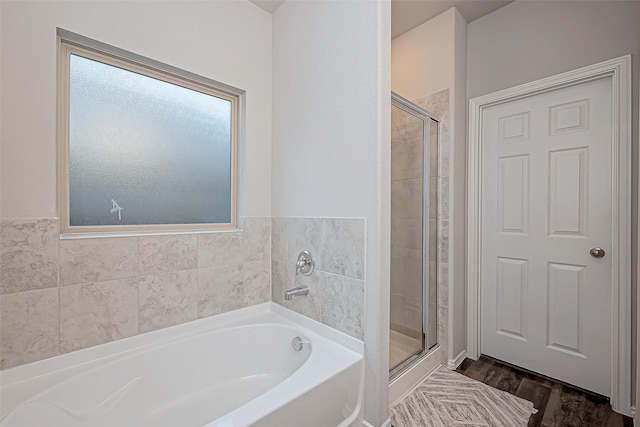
597, 252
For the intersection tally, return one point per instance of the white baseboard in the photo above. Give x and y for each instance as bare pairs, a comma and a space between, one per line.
633, 411
454, 363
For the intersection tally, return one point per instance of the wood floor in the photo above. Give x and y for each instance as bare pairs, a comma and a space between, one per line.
557, 404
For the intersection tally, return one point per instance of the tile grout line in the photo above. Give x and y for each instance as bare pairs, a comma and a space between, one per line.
59, 292
138, 286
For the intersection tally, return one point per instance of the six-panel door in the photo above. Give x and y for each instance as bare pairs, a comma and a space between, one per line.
546, 191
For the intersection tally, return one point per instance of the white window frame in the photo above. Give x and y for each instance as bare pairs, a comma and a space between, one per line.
69, 43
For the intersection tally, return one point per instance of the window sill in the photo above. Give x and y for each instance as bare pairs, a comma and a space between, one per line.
109, 234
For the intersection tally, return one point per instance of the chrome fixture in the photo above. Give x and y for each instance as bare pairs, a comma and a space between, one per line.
296, 292
298, 343
305, 263
597, 252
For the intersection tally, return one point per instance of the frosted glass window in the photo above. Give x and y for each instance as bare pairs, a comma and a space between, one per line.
144, 149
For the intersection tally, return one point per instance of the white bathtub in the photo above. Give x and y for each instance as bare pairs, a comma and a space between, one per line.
230, 370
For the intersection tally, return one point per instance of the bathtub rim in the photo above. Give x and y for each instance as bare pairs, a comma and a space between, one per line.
80, 359
65, 365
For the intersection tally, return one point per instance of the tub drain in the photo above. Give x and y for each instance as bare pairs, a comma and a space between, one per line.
297, 343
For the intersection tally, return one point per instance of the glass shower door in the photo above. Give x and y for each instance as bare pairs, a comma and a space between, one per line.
413, 292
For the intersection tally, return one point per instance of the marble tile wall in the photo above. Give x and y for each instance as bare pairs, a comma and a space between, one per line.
438, 104
58, 296
407, 189
336, 296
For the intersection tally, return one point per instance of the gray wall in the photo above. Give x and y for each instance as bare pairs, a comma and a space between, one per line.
331, 157
529, 40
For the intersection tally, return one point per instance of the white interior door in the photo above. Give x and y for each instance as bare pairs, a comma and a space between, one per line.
546, 202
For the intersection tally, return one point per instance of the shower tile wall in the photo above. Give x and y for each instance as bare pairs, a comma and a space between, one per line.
336, 287
406, 315
58, 296
407, 185
438, 104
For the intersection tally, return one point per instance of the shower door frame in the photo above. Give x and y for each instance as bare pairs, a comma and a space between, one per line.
410, 108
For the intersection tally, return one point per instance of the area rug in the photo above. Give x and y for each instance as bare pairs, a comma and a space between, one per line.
447, 398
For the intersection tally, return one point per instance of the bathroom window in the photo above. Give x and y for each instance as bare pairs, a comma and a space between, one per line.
143, 147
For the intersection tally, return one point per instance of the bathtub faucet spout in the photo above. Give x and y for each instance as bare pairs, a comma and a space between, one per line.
296, 292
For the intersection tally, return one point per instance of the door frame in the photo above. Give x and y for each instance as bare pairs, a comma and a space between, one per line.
619, 69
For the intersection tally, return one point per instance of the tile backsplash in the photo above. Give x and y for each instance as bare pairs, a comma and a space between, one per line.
336, 287
29, 255
58, 296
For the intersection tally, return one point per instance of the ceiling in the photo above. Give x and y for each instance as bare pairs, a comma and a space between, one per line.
268, 5
408, 14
